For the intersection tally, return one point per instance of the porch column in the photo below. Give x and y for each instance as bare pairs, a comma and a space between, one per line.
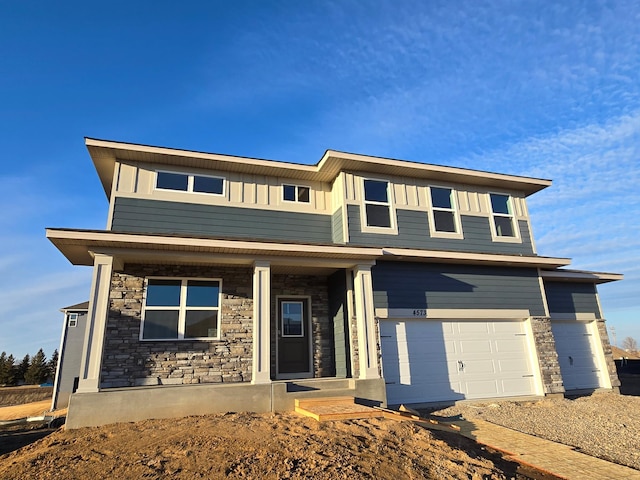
261, 368
91, 363
365, 322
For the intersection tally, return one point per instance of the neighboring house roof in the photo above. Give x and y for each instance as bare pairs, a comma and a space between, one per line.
78, 307
104, 154
619, 353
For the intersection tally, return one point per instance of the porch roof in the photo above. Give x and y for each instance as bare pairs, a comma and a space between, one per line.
80, 246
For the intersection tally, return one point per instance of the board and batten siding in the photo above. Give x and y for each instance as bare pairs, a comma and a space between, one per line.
154, 216
567, 297
413, 232
399, 285
138, 180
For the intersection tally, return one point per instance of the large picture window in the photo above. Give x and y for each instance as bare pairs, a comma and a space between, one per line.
177, 309
443, 210
376, 203
184, 182
502, 215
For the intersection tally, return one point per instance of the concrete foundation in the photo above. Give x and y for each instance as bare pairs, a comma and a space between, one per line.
173, 401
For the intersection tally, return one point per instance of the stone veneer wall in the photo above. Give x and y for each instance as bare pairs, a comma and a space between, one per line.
608, 355
322, 327
127, 361
547, 355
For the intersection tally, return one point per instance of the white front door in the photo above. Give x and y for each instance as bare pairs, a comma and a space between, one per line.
442, 360
576, 347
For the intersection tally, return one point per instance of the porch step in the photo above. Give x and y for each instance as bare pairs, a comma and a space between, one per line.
334, 408
319, 384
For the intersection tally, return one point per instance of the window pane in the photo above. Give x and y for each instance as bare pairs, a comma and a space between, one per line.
504, 226
202, 294
444, 221
303, 194
208, 185
378, 215
292, 318
160, 324
172, 181
441, 197
163, 293
375, 191
500, 203
199, 323
289, 193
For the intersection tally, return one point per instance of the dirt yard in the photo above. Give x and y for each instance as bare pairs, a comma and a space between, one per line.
244, 445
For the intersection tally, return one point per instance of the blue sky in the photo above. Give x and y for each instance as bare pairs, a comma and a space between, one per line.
524, 88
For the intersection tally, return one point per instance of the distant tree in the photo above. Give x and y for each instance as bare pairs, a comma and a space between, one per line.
52, 364
38, 370
630, 345
7, 369
21, 368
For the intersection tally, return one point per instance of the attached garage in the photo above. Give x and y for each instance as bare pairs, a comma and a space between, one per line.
443, 360
577, 344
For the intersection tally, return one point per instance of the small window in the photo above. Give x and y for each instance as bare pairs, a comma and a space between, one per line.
443, 206
214, 185
181, 309
292, 319
189, 183
73, 320
295, 193
502, 215
376, 203
172, 181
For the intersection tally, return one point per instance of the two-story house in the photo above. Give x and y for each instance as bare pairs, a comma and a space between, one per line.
224, 283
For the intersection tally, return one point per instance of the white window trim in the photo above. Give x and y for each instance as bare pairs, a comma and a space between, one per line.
190, 183
514, 221
364, 228
297, 186
458, 234
72, 320
182, 309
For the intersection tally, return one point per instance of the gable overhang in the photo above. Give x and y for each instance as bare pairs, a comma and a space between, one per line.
80, 246
106, 153
580, 276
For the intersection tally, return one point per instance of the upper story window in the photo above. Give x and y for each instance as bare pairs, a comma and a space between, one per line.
376, 204
295, 193
180, 308
189, 183
73, 320
502, 211
443, 211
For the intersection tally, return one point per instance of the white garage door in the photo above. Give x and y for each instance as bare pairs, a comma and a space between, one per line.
437, 360
576, 347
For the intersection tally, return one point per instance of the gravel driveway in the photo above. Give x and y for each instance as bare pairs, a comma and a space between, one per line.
605, 425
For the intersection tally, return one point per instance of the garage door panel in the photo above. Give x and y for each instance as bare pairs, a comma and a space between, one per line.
475, 346
513, 365
421, 360
471, 328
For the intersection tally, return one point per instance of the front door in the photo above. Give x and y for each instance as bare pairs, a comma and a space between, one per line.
294, 338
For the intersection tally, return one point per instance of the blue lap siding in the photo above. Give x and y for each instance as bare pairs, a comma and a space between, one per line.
155, 216
441, 286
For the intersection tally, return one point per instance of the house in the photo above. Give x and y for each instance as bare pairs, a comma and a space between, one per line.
67, 373
224, 283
